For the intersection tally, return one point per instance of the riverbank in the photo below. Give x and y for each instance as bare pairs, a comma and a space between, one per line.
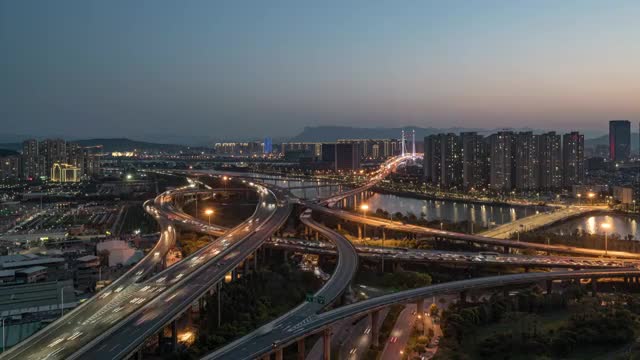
451, 197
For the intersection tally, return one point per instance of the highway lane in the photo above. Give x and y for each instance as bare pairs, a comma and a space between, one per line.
452, 257
184, 287
85, 319
415, 229
322, 321
114, 303
340, 280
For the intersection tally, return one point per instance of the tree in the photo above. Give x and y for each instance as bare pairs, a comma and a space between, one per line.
433, 309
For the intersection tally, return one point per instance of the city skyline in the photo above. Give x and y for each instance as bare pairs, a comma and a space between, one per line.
229, 69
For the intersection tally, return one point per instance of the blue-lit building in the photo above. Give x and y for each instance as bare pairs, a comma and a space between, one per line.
268, 145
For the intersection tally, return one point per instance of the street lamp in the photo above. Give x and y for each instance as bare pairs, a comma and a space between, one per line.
4, 338
591, 195
606, 227
209, 212
579, 196
364, 208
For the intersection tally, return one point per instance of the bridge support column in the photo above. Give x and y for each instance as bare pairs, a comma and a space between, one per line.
549, 287
317, 236
339, 227
375, 331
463, 296
359, 232
420, 314
174, 337
506, 249
139, 354
301, 349
326, 344
594, 286
279, 353
255, 261
219, 291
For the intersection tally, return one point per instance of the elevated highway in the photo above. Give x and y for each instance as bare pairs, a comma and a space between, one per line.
537, 221
211, 264
118, 307
323, 322
455, 258
338, 283
420, 230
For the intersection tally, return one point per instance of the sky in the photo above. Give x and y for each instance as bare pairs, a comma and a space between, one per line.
234, 69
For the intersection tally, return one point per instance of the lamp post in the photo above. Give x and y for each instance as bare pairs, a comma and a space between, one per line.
579, 196
591, 195
4, 338
364, 208
209, 212
606, 227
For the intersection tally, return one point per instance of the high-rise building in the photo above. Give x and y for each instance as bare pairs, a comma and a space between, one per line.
619, 140
527, 161
549, 148
502, 160
432, 159
347, 157
51, 151
30, 159
475, 164
573, 158
268, 146
329, 153
451, 161
375, 151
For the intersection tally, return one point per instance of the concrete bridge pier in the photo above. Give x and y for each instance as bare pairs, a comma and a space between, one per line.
219, 291
279, 353
326, 344
301, 349
549, 287
375, 331
594, 286
174, 336
463, 296
255, 260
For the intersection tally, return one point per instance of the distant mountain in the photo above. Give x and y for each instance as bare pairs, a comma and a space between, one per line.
118, 144
604, 140
333, 133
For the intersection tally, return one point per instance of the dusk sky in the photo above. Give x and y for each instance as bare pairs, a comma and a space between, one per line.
256, 68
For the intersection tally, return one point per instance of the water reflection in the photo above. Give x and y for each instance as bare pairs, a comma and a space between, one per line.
452, 211
619, 224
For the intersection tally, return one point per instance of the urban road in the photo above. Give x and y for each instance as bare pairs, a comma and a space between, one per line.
83, 329
212, 265
339, 282
318, 323
420, 230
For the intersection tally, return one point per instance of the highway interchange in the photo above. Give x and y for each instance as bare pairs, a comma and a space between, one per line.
118, 320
